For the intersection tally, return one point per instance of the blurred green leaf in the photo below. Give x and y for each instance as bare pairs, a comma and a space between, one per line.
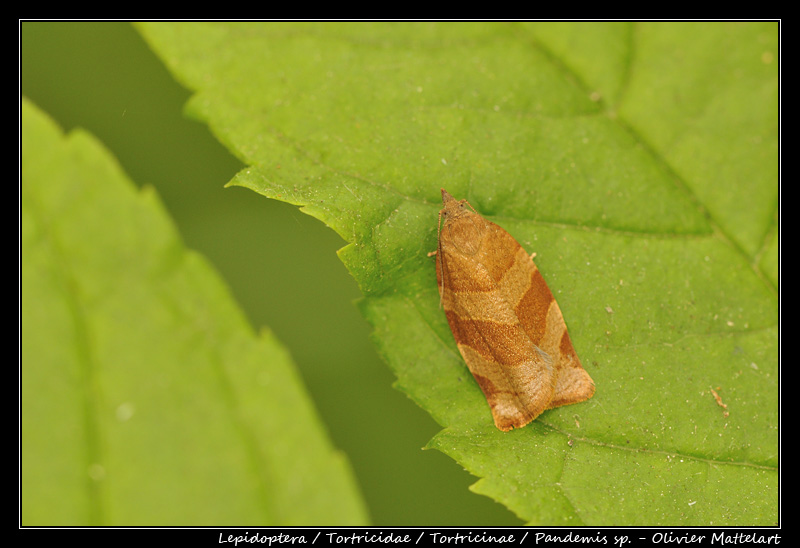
146, 397
639, 162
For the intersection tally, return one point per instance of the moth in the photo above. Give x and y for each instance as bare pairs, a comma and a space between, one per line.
506, 322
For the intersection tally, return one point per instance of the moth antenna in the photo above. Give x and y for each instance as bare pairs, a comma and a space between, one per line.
470, 206
439, 256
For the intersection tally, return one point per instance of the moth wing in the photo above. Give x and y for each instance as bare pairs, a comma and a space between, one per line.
541, 318
515, 375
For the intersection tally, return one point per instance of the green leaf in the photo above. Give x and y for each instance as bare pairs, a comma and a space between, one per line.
146, 397
639, 163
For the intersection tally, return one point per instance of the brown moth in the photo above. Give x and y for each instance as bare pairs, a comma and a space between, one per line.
505, 320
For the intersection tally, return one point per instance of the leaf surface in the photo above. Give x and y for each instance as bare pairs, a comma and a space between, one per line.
146, 397
639, 163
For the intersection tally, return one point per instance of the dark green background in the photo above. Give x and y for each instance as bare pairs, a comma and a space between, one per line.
279, 263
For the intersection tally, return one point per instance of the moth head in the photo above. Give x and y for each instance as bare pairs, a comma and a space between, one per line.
460, 226
453, 208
